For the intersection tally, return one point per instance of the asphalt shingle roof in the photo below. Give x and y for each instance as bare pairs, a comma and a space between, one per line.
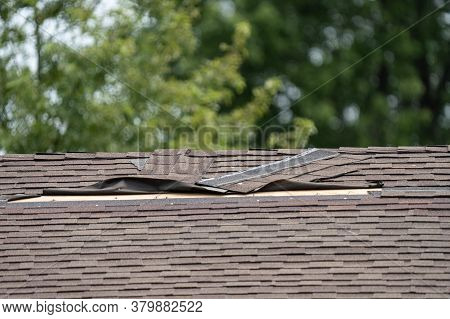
393, 244
394, 166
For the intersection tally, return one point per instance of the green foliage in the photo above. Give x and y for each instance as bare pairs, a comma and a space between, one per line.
398, 94
221, 74
134, 75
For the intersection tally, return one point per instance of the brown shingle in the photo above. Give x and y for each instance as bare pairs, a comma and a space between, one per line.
320, 270
284, 247
412, 166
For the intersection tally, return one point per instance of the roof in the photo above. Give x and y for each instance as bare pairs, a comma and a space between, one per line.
395, 166
389, 243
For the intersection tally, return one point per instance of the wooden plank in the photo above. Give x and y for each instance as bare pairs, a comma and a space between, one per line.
361, 191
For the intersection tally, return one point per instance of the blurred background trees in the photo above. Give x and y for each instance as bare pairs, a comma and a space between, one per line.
97, 75
399, 94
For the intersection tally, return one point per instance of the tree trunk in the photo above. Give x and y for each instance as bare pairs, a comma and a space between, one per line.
38, 44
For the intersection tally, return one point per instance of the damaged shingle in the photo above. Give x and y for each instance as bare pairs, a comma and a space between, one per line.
303, 158
392, 242
406, 167
139, 162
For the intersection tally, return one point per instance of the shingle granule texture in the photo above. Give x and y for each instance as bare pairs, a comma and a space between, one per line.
375, 246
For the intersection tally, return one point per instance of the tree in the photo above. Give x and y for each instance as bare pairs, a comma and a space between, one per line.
104, 80
397, 94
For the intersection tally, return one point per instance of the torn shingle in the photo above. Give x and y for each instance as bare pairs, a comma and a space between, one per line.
139, 162
303, 158
408, 167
